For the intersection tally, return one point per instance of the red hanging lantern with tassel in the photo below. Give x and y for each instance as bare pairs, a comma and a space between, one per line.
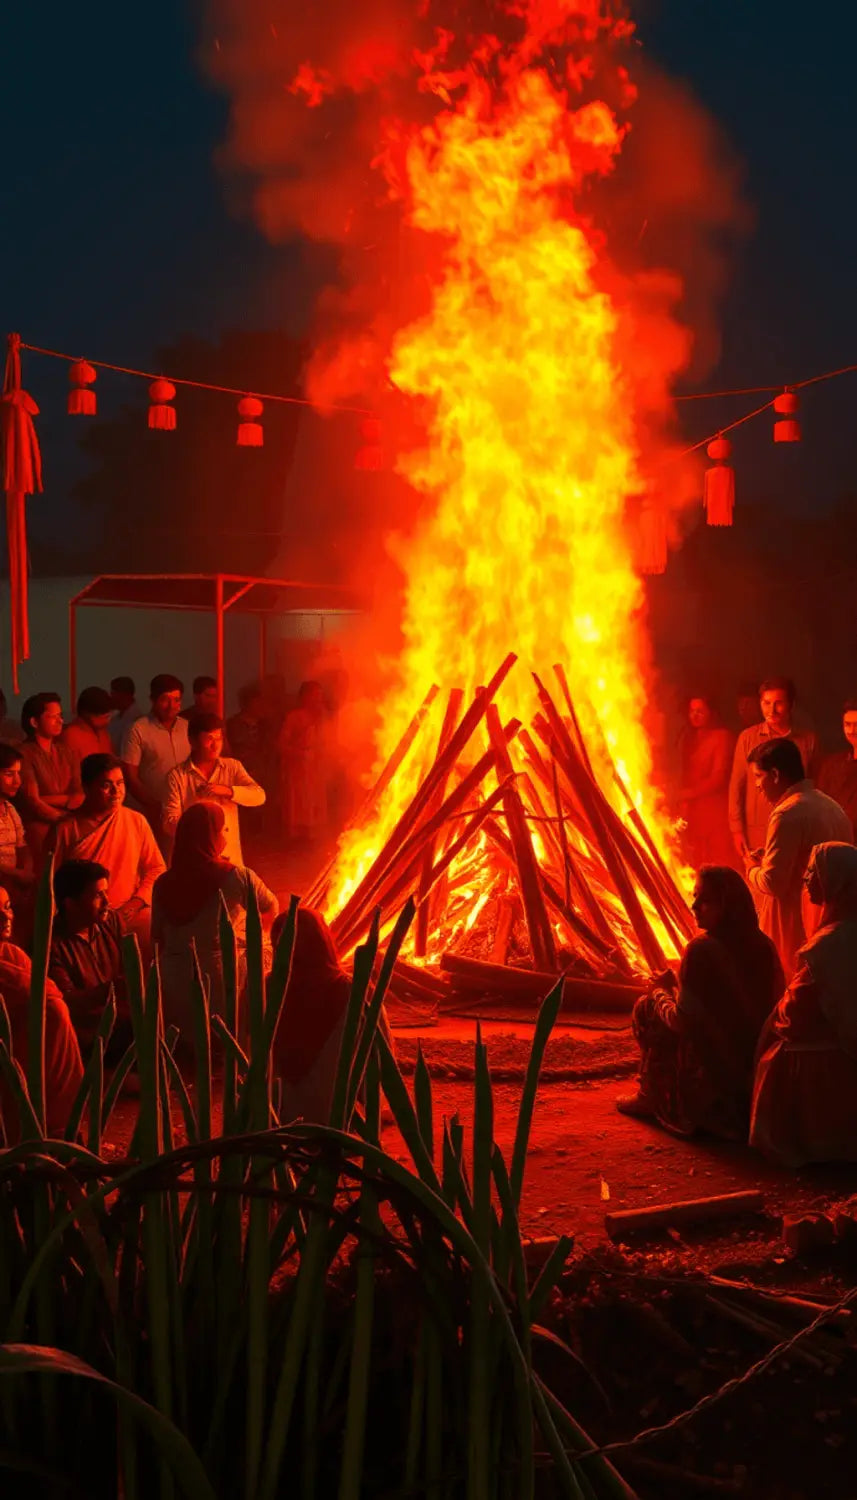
81, 402
162, 417
787, 427
653, 540
251, 433
369, 457
719, 491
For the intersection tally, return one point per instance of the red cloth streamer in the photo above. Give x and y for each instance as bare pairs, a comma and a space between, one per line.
719, 491
22, 476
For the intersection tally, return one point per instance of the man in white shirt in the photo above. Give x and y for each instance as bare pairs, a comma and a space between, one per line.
208, 774
800, 818
155, 745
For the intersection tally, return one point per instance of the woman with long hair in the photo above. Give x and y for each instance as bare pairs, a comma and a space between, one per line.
805, 1097
186, 905
698, 1034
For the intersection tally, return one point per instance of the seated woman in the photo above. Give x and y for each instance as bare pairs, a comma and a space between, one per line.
698, 1037
186, 914
63, 1065
805, 1098
306, 1045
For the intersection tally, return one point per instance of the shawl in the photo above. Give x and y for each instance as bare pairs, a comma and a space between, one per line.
197, 872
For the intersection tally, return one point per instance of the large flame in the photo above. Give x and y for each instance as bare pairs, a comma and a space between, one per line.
531, 456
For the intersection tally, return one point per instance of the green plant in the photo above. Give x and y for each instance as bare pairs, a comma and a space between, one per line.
279, 1309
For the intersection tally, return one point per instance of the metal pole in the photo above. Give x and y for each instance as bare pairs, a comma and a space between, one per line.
218, 611
72, 654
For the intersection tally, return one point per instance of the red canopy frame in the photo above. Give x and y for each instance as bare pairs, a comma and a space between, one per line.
208, 593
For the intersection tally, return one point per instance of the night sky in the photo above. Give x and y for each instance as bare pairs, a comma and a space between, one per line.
118, 237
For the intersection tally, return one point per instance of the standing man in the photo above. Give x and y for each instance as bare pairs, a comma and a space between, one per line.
50, 776
210, 776
155, 745
748, 809
88, 734
205, 697
110, 834
838, 774
801, 817
123, 696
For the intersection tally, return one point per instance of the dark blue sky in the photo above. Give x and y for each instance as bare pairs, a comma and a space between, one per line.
117, 236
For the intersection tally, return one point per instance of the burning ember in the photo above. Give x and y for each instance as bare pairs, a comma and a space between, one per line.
521, 815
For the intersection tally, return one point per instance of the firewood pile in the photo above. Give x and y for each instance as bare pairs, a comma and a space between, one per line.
519, 861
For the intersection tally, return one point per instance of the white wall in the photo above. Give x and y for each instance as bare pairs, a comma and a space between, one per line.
140, 643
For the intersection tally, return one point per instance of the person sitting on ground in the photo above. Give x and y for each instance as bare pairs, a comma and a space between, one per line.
63, 1071
86, 950
16, 863
748, 808
698, 1036
209, 775
155, 745
123, 696
11, 732
805, 1097
206, 698
186, 907
800, 817
838, 774
88, 733
50, 775
112, 835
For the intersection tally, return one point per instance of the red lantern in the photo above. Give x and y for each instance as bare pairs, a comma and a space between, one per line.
653, 540
369, 457
162, 416
251, 433
81, 402
719, 491
787, 429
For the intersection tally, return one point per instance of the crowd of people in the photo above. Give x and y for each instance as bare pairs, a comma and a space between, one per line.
140, 815
755, 1037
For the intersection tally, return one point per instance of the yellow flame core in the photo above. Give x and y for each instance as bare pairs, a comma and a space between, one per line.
530, 456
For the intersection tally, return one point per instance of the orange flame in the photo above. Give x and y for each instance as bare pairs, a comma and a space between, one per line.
532, 451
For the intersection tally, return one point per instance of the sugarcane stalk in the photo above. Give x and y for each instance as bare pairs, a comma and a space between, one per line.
453, 709
538, 926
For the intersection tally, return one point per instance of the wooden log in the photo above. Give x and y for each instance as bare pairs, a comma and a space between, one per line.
687, 1211
316, 892
590, 796
416, 808
453, 709
603, 950
402, 875
505, 923
559, 673
587, 994
538, 924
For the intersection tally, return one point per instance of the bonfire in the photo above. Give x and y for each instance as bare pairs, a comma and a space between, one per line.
521, 813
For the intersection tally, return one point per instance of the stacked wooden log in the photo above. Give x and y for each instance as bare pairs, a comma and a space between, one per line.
525, 864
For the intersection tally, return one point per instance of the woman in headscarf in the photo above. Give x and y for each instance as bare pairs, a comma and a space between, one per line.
186, 913
707, 749
309, 1033
698, 1036
805, 1097
306, 1045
